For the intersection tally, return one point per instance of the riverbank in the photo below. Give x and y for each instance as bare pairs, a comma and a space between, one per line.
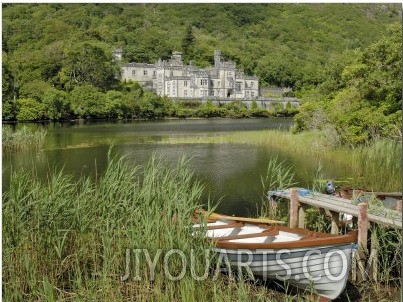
67, 237
125, 235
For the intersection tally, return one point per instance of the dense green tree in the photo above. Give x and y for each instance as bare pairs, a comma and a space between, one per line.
328, 53
8, 92
87, 102
284, 44
8, 110
188, 43
29, 109
115, 108
361, 99
34, 89
57, 104
89, 64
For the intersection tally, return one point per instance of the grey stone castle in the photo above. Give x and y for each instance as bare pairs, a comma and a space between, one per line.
174, 79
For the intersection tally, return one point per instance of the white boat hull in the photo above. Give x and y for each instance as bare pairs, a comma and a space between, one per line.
315, 262
322, 270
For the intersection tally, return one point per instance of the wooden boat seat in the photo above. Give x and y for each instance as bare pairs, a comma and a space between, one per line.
222, 226
273, 232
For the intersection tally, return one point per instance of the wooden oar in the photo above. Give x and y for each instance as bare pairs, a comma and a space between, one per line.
243, 219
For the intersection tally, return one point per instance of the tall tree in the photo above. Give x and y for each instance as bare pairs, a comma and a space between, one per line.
89, 64
188, 42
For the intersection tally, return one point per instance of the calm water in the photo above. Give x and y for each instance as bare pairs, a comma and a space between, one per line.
231, 172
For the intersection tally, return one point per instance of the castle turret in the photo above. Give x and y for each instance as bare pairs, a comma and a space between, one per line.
217, 58
118, 53
176, 58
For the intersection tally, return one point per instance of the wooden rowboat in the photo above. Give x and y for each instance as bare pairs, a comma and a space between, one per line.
305, 259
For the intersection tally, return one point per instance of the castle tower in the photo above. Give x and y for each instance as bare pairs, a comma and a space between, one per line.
118, 53
217, 58
176, 58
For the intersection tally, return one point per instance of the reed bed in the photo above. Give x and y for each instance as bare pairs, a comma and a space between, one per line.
380, 164
389, 240
376, 166
23, 139
67, 239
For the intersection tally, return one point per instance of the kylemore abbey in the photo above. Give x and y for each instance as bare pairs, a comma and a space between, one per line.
174, 79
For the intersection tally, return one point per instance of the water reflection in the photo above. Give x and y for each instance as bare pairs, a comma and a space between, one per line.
230, 171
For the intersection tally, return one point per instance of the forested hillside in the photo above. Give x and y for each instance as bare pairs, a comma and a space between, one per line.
57, 57
360, 97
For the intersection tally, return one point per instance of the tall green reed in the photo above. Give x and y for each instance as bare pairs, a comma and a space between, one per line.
389, 256
376, 165
379, 163
23, 139
67, 239
63, 236
279, 175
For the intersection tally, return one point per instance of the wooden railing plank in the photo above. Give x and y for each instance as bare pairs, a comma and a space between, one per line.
337, 204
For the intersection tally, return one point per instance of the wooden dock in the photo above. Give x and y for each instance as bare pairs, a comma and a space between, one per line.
333, 206
339, 205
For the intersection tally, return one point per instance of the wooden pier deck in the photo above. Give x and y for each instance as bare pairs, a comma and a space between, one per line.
341, 205
363, 214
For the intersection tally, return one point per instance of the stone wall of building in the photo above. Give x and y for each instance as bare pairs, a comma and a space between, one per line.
174, 79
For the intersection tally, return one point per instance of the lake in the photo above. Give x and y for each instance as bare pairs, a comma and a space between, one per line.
231, 172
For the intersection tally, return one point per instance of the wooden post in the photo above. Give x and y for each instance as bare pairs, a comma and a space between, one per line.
362, 226
362, 239
372, 265
301, 217
354, 266
399, 205
294, 205
335, 222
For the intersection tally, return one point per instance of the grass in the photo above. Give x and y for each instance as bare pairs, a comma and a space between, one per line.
380, 164
22, 140
375, 166
67, 239
388, 261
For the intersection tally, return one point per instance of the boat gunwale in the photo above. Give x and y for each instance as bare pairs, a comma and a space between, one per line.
310, 239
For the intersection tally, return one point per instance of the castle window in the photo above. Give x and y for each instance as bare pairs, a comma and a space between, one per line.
204, 82
145, 72
238, 86
185, 83
133, 72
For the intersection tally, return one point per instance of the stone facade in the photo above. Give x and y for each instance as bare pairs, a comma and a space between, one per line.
174, 79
